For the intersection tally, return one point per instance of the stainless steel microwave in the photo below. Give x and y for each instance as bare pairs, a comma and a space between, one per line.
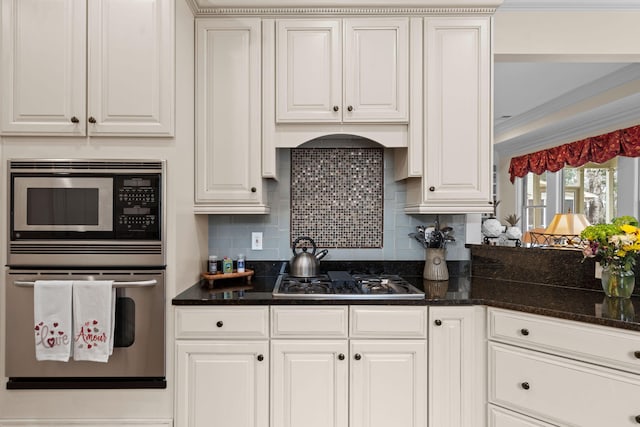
86, 213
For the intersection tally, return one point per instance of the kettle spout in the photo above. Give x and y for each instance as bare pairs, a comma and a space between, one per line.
321, 254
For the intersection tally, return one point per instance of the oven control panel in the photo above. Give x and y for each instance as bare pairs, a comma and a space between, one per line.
137, 206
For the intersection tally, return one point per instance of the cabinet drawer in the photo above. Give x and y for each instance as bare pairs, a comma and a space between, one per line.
309, 322
388, 322
606, 346
500, 417
562, 391
222, 322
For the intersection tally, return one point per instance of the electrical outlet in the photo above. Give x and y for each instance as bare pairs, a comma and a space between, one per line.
256, 241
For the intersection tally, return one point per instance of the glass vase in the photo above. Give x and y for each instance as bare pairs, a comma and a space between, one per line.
618, 282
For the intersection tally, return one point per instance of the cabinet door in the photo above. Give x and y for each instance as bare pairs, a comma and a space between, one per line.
222, 384
376, 70
309, 71
131, 67
388, 383
228, 178
42, 71
456, 367
309, 383
458, 113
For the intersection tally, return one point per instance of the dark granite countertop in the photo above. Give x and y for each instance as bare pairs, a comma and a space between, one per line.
580, 304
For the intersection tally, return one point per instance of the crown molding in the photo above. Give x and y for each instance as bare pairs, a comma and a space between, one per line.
607, 118
202, 8
534, 118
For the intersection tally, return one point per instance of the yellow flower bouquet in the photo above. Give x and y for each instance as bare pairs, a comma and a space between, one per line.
616, 247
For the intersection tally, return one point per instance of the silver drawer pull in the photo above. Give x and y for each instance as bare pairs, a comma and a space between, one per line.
138, 284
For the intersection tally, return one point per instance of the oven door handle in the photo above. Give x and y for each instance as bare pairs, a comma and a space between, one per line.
138, 284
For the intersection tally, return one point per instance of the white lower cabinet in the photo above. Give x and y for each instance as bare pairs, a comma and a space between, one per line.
388, 384
562, 372
365, 379
457, 366
222, 367
309, 383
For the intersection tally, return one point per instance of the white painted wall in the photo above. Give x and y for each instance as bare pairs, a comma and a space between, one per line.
552, 35
186, 245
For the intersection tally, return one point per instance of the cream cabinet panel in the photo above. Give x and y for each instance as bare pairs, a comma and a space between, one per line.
309, 70
388, 383
376, 70
222, 322
562, 391
303, 321
228, 143
597, 344
458, 151
131, 67
500, 417
222, 383
457, 370
388, 322
43, 77
315, 84
124, 87
309, 383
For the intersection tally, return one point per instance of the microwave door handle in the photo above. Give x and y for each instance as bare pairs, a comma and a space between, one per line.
138, 284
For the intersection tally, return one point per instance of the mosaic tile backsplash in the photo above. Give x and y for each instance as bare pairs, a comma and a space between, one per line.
337, 196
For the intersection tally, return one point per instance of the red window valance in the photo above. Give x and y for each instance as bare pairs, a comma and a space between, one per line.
598, 149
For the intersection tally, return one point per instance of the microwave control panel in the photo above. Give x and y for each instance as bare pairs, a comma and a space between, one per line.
137, 207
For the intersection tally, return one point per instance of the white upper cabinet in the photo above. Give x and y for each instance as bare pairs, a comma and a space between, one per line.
228, 116
351, 70
123, 86
457, 73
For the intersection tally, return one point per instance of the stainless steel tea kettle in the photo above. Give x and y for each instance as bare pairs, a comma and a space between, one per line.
306, 264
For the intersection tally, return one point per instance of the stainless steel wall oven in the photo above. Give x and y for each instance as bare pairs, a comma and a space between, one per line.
88, 220
108, 211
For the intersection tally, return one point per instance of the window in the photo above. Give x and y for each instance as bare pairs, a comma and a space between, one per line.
535, 188
591, 189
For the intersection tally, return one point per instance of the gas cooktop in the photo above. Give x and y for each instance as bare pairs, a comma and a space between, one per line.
342, 285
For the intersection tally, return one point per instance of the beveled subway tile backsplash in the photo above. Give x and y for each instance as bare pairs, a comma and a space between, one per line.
337, 196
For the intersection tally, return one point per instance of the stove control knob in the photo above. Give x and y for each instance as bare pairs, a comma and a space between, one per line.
341, 356
357, 356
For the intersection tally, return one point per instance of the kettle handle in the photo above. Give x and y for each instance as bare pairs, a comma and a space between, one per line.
295, 242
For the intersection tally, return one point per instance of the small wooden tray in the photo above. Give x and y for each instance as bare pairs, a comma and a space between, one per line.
220, 276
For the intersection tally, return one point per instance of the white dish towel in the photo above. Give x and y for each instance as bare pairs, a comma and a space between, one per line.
94, 306
52, 319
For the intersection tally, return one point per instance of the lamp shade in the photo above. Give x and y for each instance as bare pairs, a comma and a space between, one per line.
568, 224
